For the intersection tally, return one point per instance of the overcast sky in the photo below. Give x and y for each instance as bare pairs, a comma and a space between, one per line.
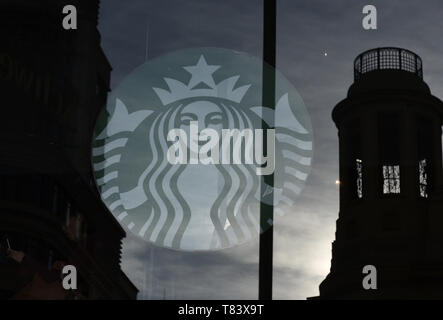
306, 30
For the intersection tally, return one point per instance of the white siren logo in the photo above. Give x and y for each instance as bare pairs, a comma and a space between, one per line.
177, 153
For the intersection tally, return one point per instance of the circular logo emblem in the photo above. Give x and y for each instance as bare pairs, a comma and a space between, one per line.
178, 152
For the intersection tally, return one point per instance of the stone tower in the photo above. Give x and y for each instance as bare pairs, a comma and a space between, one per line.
391, 196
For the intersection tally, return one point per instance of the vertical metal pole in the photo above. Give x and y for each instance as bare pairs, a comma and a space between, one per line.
416, 67
268, 98
399, 59
378, 59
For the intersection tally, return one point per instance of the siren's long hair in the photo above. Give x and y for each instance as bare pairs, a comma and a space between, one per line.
168, 212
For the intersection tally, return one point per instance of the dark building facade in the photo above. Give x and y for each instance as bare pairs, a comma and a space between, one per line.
53, 83
391, 195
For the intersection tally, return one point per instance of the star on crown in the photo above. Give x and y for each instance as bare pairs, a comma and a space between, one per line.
201, 75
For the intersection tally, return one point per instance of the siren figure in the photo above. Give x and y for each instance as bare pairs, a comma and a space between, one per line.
194, 206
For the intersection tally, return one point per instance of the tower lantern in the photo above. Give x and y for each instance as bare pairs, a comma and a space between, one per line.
391, 203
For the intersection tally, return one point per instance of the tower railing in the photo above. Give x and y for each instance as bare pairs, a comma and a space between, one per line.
387, 59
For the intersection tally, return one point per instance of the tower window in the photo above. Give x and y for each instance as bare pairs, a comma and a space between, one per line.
354, 164
423, 178
425, 156
391, 179
389, 152
359, 169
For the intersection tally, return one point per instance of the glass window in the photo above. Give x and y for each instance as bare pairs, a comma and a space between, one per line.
389, 152
423, 178
359, 172
354, 162
425, 154
391, 179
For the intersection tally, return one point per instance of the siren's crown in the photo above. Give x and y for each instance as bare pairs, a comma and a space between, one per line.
201, 73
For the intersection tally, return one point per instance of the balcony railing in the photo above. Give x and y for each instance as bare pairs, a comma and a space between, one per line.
387, 59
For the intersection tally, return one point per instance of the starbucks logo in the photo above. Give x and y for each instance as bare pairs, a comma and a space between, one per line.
177, 153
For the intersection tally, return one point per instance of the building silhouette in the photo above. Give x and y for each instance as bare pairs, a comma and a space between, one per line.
391, 196
53, 83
